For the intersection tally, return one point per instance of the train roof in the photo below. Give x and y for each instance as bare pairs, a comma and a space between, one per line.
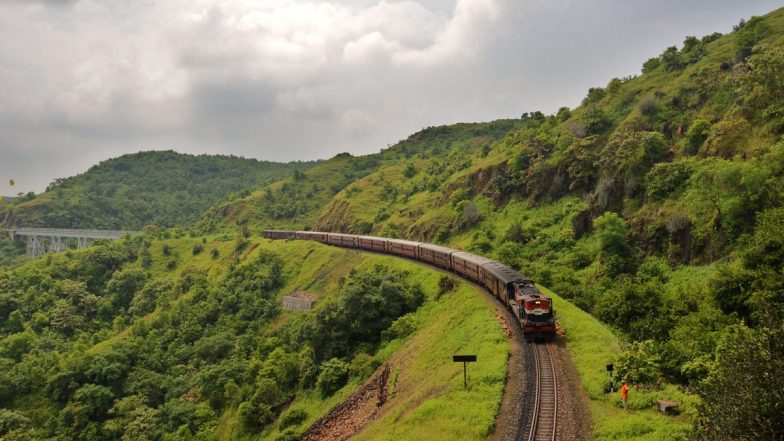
503, 272
439, 248
403, 242
372, 238
470, 257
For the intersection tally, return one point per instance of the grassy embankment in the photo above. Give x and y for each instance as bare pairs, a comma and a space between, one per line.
427, 399
592, 346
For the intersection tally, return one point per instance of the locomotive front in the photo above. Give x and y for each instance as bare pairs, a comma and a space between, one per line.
537, 316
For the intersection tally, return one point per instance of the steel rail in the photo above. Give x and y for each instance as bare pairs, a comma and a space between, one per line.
544, 415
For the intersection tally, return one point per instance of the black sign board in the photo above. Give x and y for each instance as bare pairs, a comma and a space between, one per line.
610, 367
465, 359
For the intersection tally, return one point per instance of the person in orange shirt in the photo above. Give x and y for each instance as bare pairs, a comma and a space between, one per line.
624, 395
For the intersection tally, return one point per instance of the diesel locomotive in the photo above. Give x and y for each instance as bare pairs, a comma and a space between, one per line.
517, 292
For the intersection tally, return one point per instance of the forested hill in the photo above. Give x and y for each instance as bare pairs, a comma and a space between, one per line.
298, 200
164, 188
656, 205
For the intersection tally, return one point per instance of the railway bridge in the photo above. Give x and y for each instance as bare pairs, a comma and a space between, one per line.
43, 240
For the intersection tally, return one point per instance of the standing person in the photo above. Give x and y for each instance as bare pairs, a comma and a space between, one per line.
624, 395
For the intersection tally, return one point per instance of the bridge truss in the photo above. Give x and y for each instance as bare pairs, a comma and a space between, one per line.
43, 240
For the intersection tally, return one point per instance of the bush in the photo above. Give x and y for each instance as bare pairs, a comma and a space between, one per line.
647, 105
748, 34
696, 136
197, 249
333, 376
441, 235
289, 435
363, 227
400, 328
10, 420
446, 284
651, 65
292, 417
726, 135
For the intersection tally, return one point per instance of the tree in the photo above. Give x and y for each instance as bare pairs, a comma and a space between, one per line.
696, 136
748, 35
615, 255
334, 374
94, 400
124, 284
743, 395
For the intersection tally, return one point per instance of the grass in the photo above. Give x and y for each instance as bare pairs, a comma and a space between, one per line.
429, 400
593, 346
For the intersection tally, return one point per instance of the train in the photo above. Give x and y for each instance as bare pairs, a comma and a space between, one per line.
517, 292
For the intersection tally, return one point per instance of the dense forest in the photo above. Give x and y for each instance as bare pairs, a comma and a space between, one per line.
655, 205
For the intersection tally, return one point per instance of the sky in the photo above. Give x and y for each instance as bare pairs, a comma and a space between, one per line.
86, 80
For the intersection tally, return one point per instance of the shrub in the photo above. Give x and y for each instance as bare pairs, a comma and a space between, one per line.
400, 328
214, 253
748, 34
446, 284
292, 417
665, 178
10, 420
726, 135
197, 249
363, 365
651, 65
289, 435
333, 376
647, 105
696, 136
363, 227
441, 235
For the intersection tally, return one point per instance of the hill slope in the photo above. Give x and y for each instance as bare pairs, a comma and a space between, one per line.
646, 206
184, 339
129, 192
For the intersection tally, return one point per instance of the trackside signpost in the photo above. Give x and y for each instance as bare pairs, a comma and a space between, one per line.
465, 359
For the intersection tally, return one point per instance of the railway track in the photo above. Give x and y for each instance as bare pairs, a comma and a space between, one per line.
543, 413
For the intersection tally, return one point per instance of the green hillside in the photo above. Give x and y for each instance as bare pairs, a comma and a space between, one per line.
297, 201
648, 206
163, 188
655, 206
177, 339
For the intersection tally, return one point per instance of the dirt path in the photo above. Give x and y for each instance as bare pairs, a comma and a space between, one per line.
349, 417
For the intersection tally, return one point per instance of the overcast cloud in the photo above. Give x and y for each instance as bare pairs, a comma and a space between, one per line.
85, 80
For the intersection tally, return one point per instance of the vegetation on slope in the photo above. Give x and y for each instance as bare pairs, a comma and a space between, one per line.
296, 202
635, 206
184, 339
132, 191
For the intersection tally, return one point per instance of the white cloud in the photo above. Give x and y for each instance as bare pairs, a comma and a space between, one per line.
82, 80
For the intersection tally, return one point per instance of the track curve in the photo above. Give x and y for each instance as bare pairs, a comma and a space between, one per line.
536, 420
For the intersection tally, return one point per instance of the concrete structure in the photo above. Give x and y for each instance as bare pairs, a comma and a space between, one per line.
55, 240
298, 301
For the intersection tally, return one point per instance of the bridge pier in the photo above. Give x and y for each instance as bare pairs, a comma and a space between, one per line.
35, 246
